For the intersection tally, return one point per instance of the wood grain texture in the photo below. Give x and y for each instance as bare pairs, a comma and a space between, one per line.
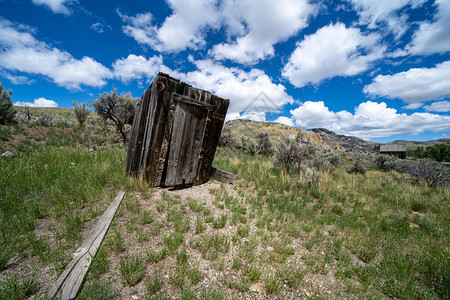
69, 282
179, 130
222, 176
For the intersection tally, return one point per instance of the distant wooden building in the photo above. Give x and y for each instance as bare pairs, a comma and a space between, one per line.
398, 150
175, 133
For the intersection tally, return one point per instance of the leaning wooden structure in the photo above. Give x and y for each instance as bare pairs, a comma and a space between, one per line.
175, 133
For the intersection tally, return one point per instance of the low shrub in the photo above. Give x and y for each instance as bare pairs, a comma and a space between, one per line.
427, 171
265, 146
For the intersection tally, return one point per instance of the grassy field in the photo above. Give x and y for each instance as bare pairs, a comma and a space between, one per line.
348, 235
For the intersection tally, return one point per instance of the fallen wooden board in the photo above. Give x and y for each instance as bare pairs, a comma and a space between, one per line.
222, 176
68, 284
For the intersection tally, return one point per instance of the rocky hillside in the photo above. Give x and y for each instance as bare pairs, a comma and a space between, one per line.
346, 142
277, 132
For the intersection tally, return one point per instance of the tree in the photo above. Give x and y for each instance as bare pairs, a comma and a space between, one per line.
81, 112
120, 109
7, 111
29, 112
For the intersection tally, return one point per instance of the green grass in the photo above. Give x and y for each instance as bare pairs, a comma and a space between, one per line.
372, 213
380, 235
14, 288
132, 270
154, 285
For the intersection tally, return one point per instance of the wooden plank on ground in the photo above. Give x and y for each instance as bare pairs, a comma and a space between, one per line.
222, 176
68, 284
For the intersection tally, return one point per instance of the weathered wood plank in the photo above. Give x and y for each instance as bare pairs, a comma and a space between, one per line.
211, 138
137, 135
222, 176
147, 136
175, 144
191, 101
68, 284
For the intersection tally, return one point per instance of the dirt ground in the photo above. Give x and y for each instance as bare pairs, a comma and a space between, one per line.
257, 249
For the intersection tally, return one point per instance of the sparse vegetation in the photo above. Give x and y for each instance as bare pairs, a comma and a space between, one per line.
313, 230
132, 269
81, 112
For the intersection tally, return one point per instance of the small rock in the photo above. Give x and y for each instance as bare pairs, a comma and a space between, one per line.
257, 287
7, 154
413, 225
91, 150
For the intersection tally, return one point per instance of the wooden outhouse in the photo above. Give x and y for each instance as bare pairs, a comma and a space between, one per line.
175, 133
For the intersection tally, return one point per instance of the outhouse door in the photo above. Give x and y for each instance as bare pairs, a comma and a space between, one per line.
189, 121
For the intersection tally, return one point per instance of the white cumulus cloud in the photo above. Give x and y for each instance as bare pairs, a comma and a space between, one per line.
40, 102
258, 25
252, 27
333, 50
285, 120
440, 106
386, 13
369, 120
414, 85
251, 92
433, 37
57, 6
22, 52
185, 28
136, 67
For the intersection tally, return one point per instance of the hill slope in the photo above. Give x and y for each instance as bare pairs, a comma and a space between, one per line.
249, 129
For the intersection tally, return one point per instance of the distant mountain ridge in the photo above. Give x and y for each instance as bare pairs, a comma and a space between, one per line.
352, 142
320, 136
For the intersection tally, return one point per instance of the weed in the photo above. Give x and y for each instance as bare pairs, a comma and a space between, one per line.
211, 293
173, 241
194, 205
220, 221
194, 275
209, 246
199, 227
132, 270
155, 256
156, 228
243, 231
97, 289
237, 263
15, 288
154, 285
252, 273
99, 264
272, 284
182, 257
291, 275
187, 294
146, 217
117, 242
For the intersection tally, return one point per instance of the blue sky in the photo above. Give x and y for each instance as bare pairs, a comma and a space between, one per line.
377, 69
